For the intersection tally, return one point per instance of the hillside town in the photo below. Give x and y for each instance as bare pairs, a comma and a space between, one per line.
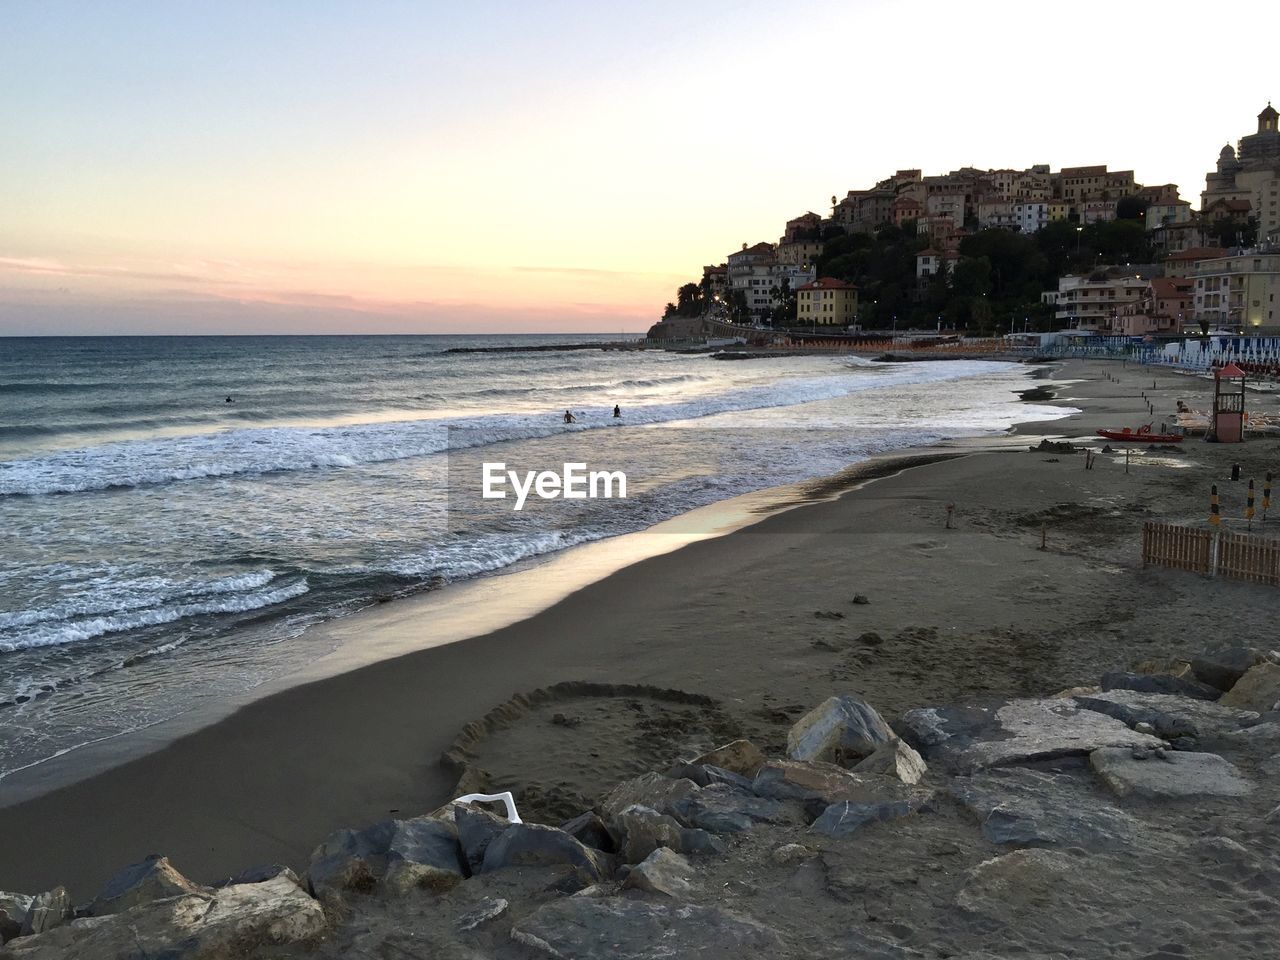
1086, 250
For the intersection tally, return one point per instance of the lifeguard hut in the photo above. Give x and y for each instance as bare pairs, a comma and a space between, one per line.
1228, 404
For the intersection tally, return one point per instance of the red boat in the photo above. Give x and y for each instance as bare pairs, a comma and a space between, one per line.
1141, 435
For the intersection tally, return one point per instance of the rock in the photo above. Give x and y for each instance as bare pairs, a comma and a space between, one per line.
1035, 809
152, 879
896, 759
349, 860
1015, 731
823, 784
1022, 883
13, 910
488, 909
587, 828
840, 729
1260, 733
426, 847
261, 874
724, 809
1160, 683
641, 830
1143, 727
704, 775
1258, 689
859, 599
233, 921
791, 853
1177, 775
662, 872
842, 819
580, 928
477, 828
648, 790
1222, 668
533, 844
1170, 716
47, 911
739, 756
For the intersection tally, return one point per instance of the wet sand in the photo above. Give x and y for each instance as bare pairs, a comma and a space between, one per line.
761, 621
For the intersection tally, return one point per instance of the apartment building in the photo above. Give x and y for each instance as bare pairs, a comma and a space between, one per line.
1239, 290
827, 302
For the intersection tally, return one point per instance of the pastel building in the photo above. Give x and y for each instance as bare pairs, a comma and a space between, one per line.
1238, 291
827, 302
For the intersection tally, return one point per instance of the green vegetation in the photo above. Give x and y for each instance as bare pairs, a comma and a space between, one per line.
994, 286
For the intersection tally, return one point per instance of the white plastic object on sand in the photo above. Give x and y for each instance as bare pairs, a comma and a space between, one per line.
507, 800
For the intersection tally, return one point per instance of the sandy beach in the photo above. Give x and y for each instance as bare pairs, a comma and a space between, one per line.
762, 621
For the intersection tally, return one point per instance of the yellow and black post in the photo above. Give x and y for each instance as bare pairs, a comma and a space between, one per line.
1214, 518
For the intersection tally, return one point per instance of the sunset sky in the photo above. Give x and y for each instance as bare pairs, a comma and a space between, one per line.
183, 167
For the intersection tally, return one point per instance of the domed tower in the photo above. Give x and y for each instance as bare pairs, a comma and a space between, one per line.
1265, 144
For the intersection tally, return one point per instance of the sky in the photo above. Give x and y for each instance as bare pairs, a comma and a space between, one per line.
423, 167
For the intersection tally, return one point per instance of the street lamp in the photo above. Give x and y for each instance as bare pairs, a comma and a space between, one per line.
1079, 230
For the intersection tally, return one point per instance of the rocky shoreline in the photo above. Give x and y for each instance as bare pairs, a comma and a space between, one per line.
1038, 826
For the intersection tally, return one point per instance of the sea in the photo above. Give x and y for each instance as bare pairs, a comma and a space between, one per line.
177, 512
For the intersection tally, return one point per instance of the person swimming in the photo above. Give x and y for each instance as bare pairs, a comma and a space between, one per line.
228, 400
569, 417
617, 412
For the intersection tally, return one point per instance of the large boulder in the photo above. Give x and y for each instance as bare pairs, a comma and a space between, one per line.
648, 790
13, 911
350, 860
418, 853
582, 928
1160, 683
1176, 775
1222, 668
233, 921
640, 830
152, 879
47, 910
1031, 808
841, 729
740, 756
663, 872
724, 809
477, 828
534, 844
1258, 689
897, 759
1014, 732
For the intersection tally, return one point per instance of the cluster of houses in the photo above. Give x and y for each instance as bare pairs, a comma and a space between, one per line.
1195, 283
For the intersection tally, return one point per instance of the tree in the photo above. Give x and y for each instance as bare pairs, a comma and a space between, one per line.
689, 300
1131, 208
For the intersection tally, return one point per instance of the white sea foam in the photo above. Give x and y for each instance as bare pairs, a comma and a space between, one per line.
72, 631
275, 449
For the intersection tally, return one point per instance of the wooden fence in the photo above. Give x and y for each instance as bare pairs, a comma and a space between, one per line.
1212, 553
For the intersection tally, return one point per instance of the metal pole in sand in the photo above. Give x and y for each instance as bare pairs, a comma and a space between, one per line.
1216, 520
1266, 496
1248, 509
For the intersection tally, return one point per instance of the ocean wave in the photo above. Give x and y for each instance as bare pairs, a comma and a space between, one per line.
104, 594
76, 631
283, 449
